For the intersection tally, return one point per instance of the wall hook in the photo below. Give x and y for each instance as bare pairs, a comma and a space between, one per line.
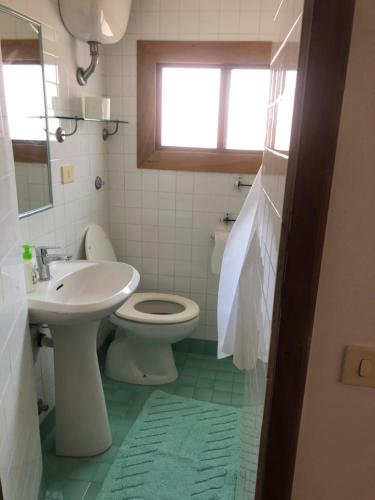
239, 184
99, 183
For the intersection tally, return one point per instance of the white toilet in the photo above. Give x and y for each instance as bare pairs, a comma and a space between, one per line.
147, 326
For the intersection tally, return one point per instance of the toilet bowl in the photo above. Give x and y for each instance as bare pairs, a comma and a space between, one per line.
147, 326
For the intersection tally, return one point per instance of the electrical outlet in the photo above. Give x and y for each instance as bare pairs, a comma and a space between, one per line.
359, 366
67, 174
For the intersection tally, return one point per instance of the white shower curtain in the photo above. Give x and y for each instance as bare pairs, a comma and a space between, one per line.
241, 319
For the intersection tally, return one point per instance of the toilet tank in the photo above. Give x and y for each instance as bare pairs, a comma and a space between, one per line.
97, 244
103, 21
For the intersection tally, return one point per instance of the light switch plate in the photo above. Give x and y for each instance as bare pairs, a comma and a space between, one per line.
67, 174
359, 366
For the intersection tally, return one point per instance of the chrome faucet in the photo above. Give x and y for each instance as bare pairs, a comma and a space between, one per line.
43, 259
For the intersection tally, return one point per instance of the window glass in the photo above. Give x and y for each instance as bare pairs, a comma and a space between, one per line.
247, 109
190, 107
19, 105
285, 112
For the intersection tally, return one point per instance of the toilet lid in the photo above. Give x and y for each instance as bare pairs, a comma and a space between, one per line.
189, 309
97, 244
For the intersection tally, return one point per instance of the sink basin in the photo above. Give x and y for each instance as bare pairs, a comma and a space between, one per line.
80, 291
73, 302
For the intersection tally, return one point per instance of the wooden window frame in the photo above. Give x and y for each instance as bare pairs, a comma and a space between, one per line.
151, 57
20, 51
29, 151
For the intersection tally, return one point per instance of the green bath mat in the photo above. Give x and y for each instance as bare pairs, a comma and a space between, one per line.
178, 449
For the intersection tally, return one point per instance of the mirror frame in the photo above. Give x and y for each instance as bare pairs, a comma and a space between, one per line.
38, 26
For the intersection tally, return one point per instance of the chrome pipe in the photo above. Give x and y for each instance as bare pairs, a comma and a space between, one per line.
84, 74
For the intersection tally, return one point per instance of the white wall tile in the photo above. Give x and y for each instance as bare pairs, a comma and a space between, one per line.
167, 183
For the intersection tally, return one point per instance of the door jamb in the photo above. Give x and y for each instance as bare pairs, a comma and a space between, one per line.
324, 50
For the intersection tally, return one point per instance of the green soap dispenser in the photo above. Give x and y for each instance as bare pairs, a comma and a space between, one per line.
31, 276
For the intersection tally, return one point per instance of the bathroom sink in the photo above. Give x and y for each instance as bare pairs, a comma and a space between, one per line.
81, 291
73, 302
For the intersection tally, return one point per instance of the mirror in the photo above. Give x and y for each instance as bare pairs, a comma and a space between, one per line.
22, 72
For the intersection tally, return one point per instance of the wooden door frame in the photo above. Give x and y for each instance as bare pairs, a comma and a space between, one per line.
324, 50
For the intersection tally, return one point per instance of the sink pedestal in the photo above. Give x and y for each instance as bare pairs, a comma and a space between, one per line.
82, 428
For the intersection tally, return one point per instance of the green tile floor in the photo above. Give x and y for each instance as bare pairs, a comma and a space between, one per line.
202, 377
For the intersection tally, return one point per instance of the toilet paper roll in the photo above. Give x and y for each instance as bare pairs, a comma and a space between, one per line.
220, 239
97, 107
67, 106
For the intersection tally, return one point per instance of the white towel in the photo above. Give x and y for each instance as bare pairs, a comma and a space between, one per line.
241, 321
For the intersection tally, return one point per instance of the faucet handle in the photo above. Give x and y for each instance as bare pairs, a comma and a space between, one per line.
47, 247
43, 248
42, 252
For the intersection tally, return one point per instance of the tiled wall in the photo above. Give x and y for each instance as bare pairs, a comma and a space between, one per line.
75, 205
32, 185
20, 454
161, 221
285, 37
285, 50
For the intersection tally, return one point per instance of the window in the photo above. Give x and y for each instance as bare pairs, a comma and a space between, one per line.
202, 105
186, 94
22, 63
19, 105
247, 109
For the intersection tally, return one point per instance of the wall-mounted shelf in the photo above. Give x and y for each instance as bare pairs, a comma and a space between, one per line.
61, 134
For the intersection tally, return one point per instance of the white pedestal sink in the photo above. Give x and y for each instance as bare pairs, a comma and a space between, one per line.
73, 302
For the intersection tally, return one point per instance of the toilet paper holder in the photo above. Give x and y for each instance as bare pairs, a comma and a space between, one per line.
226, 219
